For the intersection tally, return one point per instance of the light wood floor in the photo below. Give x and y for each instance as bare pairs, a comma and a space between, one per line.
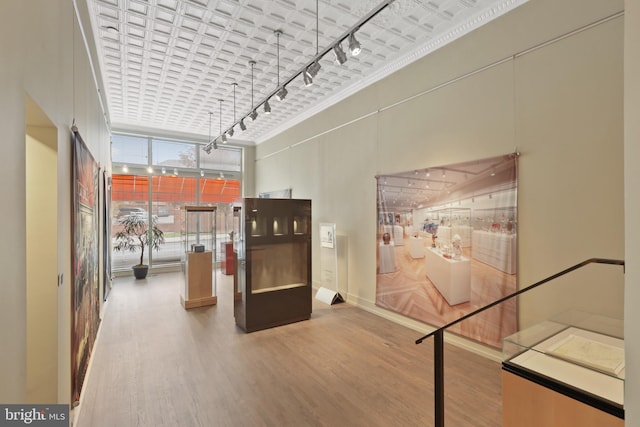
157, 364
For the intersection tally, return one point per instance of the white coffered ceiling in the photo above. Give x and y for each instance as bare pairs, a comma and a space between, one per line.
165, 64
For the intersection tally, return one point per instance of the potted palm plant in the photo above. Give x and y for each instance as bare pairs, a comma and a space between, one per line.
135, 235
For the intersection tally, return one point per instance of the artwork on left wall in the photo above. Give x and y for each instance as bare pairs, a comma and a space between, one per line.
85, 270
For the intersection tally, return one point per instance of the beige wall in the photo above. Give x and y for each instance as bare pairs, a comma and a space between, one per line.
559, 105
42, 264
43, 58
632, 208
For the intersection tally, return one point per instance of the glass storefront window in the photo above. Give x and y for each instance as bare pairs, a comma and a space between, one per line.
129, 149
224, 158
129, 196
167, 175
222, 193
174, 154
170, 194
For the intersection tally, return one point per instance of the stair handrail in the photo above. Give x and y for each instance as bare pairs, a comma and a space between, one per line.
438, 334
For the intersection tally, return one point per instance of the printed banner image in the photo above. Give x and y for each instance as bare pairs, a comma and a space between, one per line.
446, 244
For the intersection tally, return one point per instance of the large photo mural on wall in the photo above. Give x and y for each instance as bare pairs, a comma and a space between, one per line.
85, 291
446, 245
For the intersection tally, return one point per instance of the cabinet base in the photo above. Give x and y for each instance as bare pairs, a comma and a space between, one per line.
198, 302
528, 404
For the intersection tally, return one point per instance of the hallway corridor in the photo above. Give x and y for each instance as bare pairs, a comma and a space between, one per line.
156, 364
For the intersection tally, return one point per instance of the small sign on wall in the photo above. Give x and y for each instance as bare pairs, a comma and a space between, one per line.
327, 235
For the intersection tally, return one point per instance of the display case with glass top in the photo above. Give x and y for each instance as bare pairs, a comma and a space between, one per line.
199, 245
577, 354
274, 264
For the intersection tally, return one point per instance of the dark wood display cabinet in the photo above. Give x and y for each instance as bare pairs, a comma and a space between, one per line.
273, 268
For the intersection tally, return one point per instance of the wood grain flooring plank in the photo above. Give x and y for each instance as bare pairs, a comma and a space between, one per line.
157, 364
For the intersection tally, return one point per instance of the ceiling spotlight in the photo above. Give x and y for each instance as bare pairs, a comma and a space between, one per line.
282, 94
164, 170
308, 81
230, 132
267, 107
175, 171
125, 168
224, 138
242, 125
206, 149
201, 173
150, 169
312, 70
354, 45
215, 145
253, 115
341, 57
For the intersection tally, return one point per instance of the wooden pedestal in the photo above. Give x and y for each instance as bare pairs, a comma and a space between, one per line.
198, 281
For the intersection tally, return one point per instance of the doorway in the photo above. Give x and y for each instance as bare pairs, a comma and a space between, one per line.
41, 158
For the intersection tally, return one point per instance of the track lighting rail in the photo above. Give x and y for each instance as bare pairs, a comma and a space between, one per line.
280, 91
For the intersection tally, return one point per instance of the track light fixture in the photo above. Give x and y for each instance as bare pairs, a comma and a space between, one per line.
312, 70
308, 81
282, 94
267, 107
254, 113
354, 45
211, 144
242, 125
341, 57
230, 132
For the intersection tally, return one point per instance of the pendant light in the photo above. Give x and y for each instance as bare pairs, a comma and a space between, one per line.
312, 70
282, 93
224, 135
253, 114
211, 144
230, 132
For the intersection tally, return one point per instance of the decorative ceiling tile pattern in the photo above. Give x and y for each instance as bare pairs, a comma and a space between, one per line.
167, 63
